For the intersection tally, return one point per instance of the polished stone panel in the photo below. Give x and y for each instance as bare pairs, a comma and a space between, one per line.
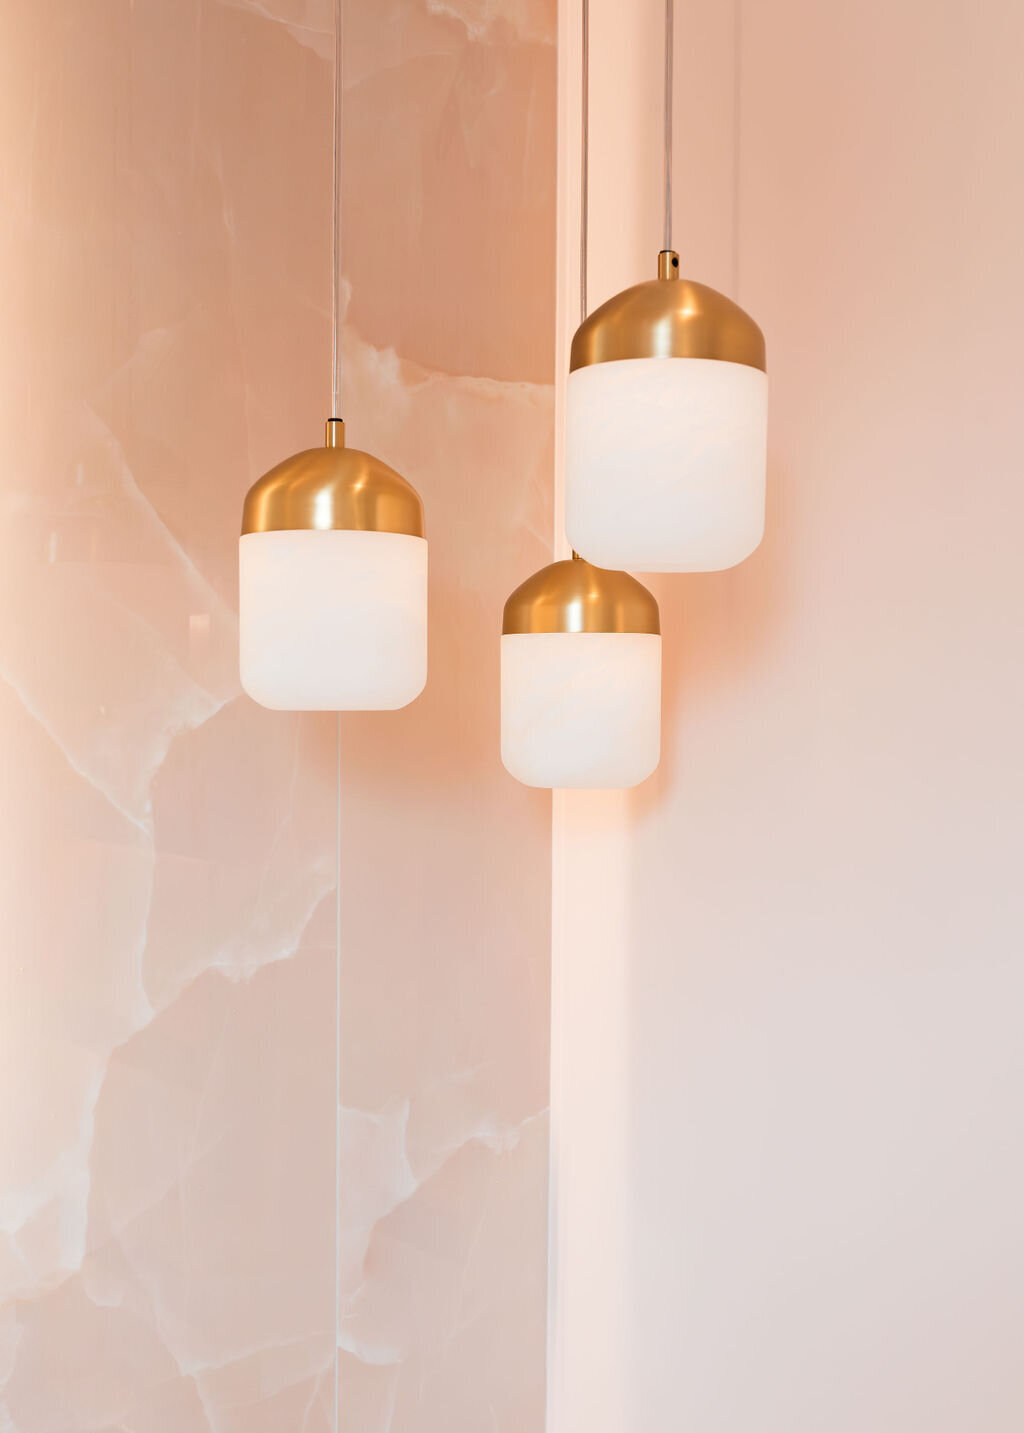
169, 852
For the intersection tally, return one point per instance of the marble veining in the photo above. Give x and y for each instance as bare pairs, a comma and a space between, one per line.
169, 857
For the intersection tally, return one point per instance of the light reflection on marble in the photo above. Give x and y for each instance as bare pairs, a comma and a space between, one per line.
168, 859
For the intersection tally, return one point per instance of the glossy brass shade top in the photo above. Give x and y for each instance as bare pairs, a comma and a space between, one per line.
333, 487
575, 596
668, 317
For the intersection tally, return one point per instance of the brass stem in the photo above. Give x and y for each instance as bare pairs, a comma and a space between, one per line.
668, 264
334, 436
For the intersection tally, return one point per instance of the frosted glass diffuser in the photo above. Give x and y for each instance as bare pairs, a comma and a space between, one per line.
333, 621
665, 463
581, 709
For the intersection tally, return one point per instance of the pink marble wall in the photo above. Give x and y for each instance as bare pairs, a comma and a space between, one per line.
169, 870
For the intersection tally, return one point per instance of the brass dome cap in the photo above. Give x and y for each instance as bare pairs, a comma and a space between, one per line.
575, 596
668, 317
333, 487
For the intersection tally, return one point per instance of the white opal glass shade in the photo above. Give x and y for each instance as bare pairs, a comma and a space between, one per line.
581, 709
332, 620
665, 463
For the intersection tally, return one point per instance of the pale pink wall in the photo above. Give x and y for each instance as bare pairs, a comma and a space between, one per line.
169, 869
816, 1006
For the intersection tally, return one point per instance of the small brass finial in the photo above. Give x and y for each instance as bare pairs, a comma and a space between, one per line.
668, 264
335, 434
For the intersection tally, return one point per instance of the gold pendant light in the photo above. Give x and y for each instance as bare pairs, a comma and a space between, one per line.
333, 559
580, 679
581, 653
666, 415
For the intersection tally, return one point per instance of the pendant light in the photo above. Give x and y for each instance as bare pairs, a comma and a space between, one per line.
580, 679
666, 418
333, 561
581, 653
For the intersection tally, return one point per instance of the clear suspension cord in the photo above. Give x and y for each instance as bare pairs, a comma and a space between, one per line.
669, 67
584, 159
336, 286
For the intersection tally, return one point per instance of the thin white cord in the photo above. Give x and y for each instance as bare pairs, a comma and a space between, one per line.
669, 71
585, 159
336, 286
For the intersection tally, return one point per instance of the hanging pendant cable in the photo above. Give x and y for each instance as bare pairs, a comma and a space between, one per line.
669, 66
584, 159
336, 286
